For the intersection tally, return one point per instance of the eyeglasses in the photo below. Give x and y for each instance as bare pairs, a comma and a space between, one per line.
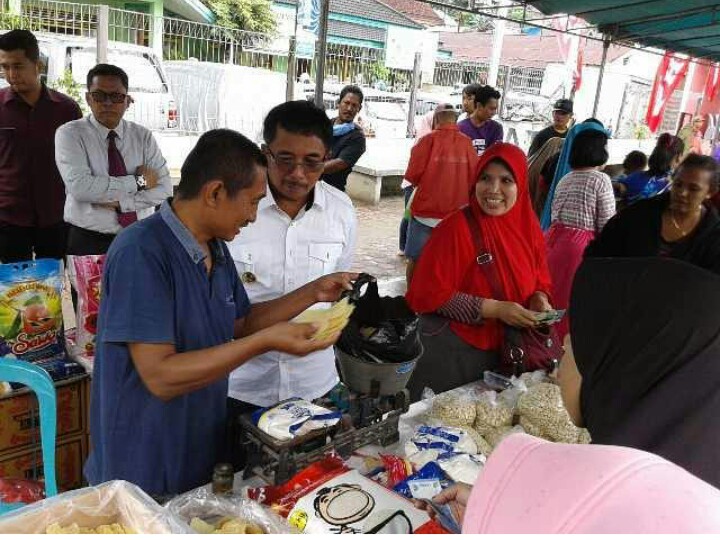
288, 164
102, 97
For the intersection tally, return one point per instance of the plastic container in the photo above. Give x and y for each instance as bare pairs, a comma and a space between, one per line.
358, 374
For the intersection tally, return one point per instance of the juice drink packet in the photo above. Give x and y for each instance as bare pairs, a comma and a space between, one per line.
88, 284
31, 319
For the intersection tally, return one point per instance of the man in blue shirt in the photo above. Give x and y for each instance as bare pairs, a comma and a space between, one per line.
175, 321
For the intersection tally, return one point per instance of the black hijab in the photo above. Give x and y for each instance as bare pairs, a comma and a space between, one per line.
646, 338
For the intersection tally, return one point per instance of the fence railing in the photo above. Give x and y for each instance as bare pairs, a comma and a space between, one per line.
64, 18
462, 72
177, 39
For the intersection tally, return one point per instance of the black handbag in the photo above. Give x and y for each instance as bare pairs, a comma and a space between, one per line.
524, 349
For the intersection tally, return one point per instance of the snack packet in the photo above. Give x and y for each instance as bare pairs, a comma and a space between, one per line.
329, 321
294, 417
350, 503
31, 319
88, 283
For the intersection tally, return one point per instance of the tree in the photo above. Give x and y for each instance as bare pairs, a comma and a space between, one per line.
251, 15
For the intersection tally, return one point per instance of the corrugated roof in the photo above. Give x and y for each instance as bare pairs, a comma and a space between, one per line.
520, 50
419, 12
355, 31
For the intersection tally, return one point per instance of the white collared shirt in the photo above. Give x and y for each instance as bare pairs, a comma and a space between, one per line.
81, 154
276, 255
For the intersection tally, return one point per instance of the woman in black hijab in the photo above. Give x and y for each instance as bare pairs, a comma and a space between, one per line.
681, 224
646, 343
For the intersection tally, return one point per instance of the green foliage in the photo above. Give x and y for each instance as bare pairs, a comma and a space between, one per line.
641, 131
13, 21
378, 72
251, 15
70, 87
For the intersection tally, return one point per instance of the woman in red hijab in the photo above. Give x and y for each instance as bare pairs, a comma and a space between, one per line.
449, 282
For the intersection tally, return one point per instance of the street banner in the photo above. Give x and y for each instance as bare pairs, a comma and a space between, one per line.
670, 73
712, 85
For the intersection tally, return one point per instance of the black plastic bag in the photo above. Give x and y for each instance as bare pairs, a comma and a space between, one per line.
381, 329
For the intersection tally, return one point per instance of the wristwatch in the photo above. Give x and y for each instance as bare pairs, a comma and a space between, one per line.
141, 183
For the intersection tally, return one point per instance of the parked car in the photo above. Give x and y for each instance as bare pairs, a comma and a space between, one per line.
154, 105
383, 114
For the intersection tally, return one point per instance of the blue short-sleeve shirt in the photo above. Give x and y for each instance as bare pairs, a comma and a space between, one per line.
156, 289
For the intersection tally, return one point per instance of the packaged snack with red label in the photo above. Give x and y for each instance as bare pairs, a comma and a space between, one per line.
16, 490
88, 284
329, 498
31, 319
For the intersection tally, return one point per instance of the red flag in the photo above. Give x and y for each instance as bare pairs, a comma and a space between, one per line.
712, 85
565, 44
670, 72
577, 75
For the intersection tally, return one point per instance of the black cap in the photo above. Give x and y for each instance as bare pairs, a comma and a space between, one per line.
565, 105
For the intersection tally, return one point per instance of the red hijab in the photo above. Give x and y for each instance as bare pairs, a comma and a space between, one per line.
447, 265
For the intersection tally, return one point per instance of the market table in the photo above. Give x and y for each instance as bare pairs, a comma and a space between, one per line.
409, 421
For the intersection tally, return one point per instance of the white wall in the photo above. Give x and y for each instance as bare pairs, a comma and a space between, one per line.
637, 66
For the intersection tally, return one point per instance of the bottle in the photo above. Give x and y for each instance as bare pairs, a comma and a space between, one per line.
222, 480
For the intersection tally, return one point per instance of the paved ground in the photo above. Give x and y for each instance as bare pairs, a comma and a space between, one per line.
377, 247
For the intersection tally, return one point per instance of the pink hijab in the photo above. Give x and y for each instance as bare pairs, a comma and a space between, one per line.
532, 486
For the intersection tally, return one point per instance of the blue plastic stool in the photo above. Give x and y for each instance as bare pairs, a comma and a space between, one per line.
37, 380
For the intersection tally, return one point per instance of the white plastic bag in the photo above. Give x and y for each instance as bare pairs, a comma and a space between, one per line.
112, 502
295, 417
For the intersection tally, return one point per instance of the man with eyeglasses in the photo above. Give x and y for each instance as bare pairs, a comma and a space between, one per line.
32, 193
348, 141
562, 114
113, 169
304, 229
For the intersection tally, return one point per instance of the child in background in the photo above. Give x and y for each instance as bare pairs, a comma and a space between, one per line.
635, 161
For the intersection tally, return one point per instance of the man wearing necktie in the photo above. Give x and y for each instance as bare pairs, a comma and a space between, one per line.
113, 169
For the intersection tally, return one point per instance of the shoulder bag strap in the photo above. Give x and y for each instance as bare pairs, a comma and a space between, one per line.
484, 258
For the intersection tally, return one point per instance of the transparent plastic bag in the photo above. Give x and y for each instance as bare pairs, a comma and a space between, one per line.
498, 434
496, 381
531, 378
529, 427
543, 408
453, 408
462, 467
116, 502
492, 412
510, 396
215, 510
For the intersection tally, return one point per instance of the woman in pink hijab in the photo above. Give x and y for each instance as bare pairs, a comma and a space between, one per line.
532, 486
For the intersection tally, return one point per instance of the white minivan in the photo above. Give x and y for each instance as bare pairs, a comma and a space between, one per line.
154, 105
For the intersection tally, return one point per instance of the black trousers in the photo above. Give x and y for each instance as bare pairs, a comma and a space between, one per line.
85, 242
18, 244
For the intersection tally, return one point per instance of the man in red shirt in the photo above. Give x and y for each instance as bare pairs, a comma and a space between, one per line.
442, 167
32, 194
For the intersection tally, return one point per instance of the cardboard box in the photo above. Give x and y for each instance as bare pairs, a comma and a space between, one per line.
111, 502
70, 455
20, 416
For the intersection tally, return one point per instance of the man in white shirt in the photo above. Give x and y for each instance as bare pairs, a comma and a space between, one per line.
305, 228
113, 170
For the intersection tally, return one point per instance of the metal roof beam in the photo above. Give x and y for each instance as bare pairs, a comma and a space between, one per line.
674, 16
